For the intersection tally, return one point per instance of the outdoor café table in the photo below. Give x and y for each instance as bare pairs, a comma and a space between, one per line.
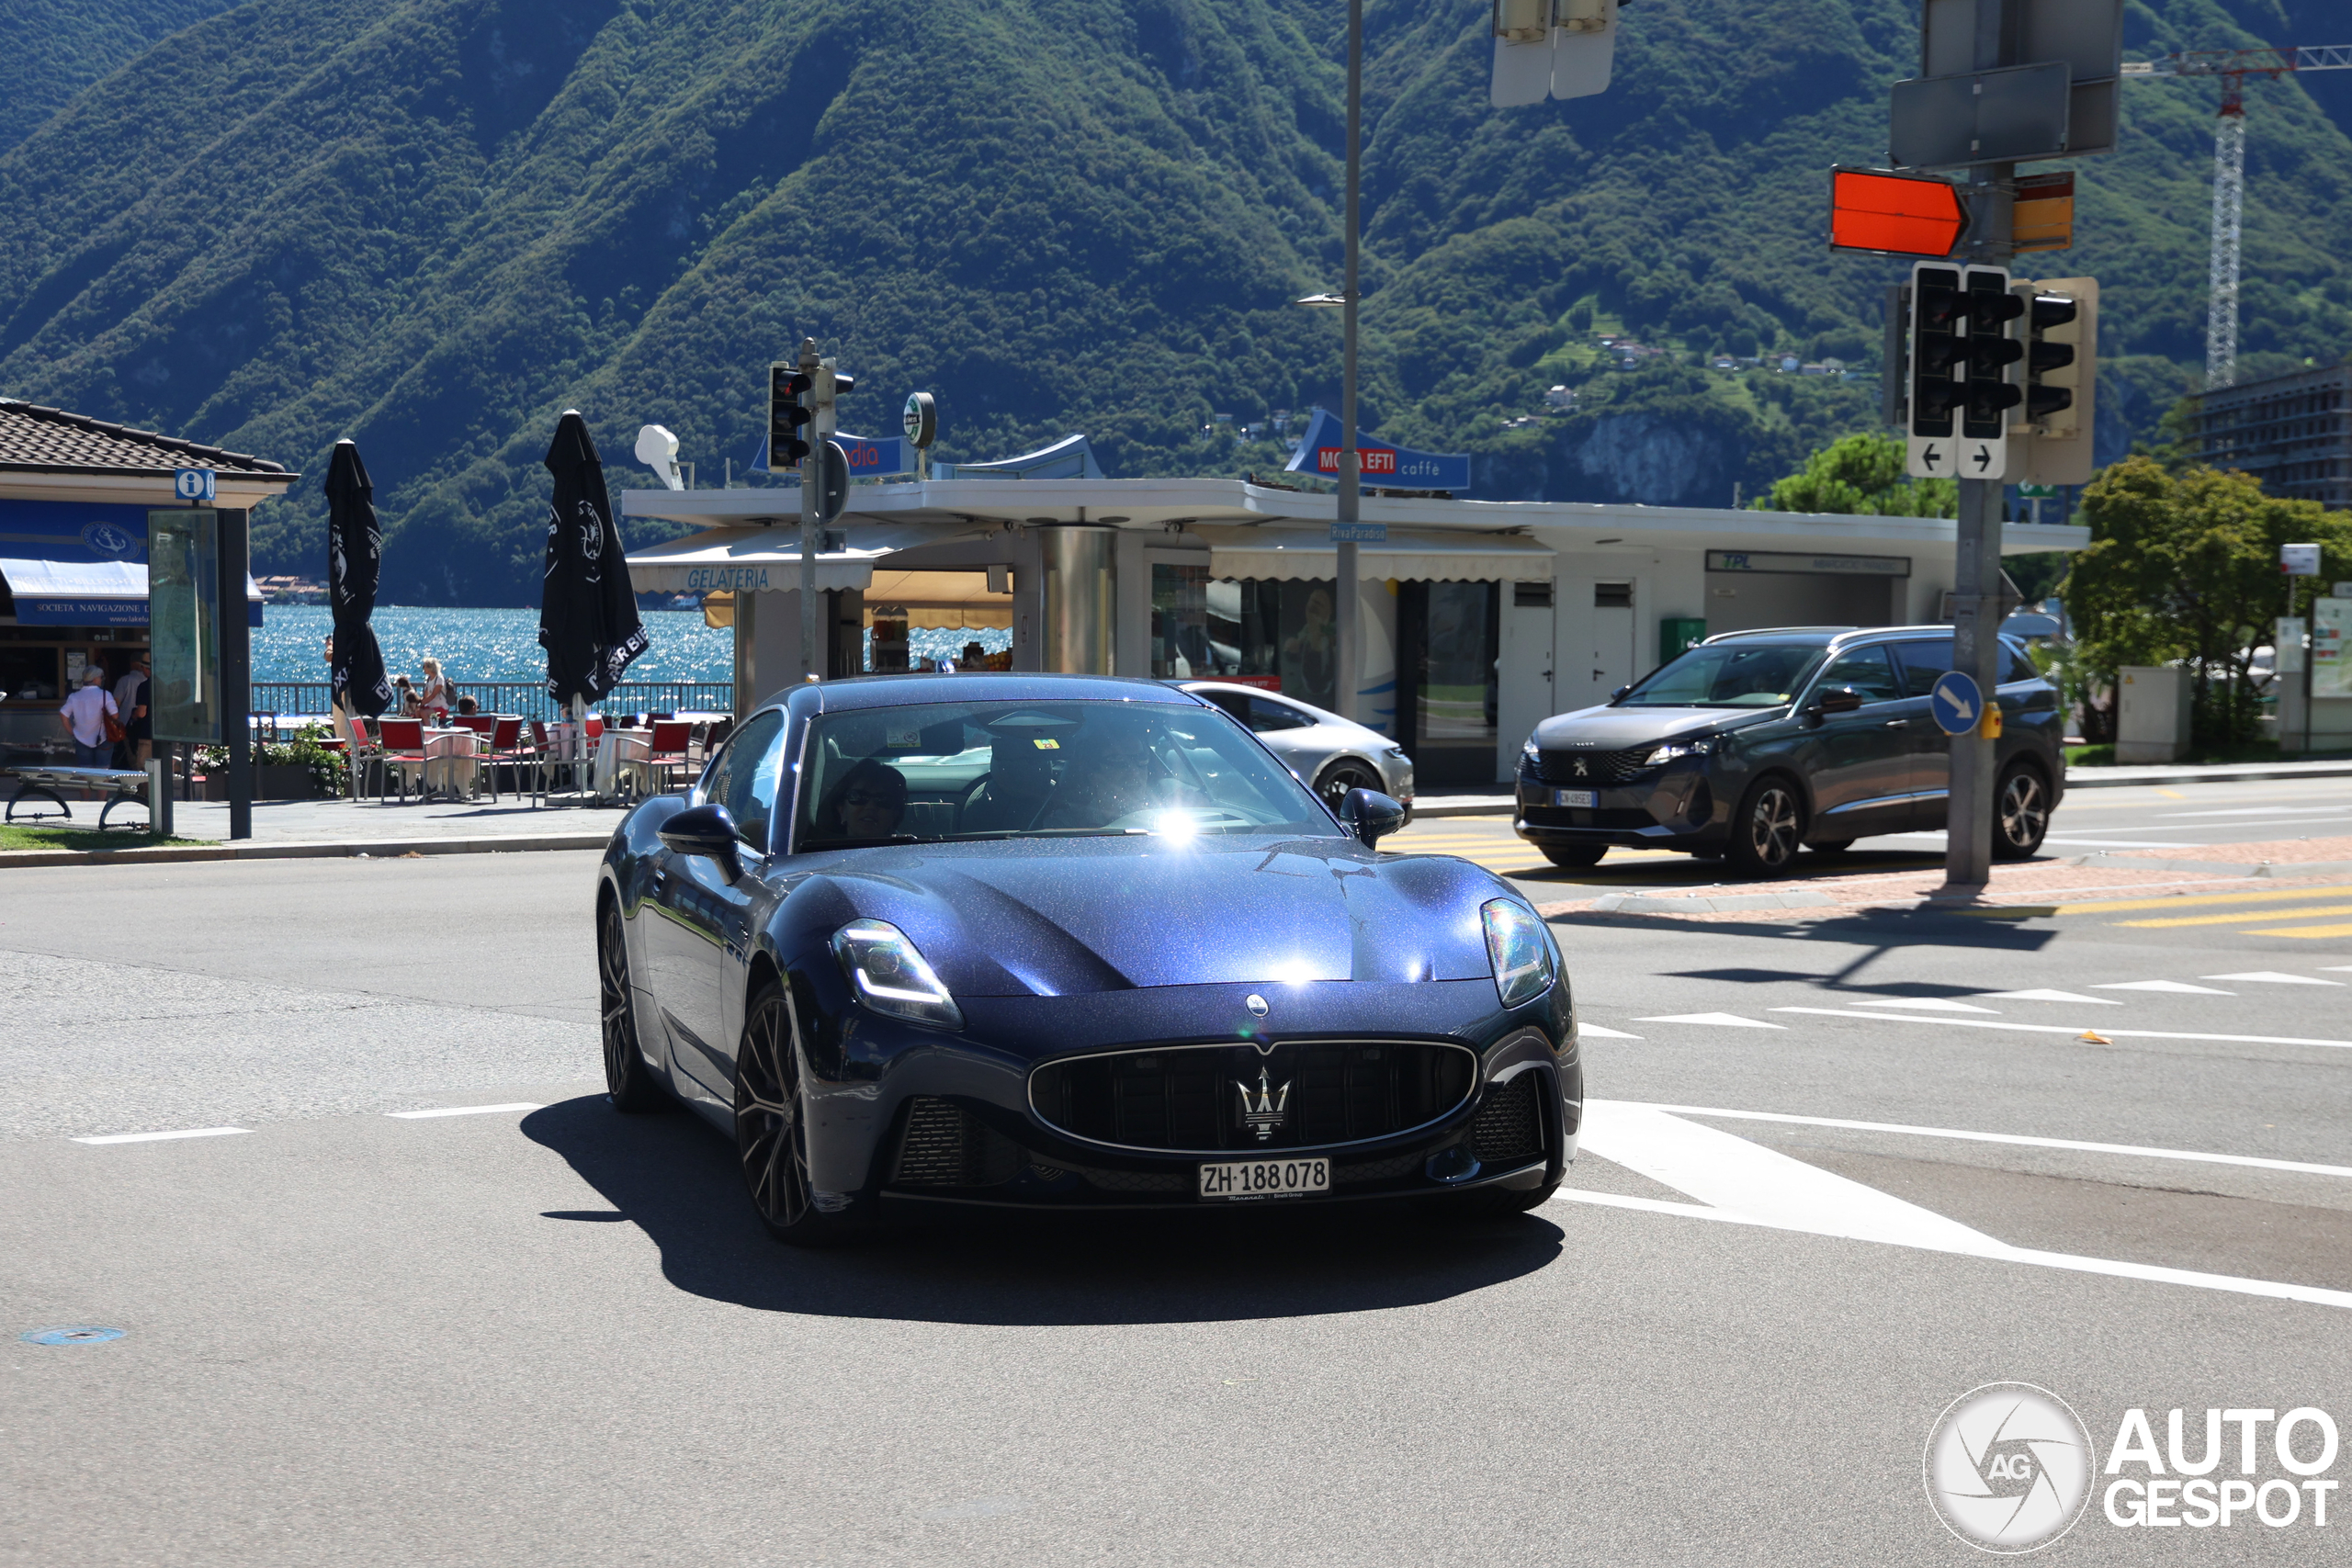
620, 752
449, 757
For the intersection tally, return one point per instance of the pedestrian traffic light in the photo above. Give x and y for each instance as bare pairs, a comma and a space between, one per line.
789, 415
2060, 327
1984, 410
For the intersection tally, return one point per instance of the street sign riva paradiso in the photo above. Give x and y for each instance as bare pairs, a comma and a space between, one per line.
1904, 215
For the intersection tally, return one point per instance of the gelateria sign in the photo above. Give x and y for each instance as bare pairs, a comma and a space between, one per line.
730, 579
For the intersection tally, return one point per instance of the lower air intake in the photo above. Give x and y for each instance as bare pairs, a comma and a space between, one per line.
945, 1146
1509, 1128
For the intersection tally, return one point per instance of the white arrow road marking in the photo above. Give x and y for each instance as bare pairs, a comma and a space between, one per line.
1762, 1187
2048, 996
464, 1110
1925, 1004
2111, 1035
2177, 986
1597, 1032
2272, 976
1728, 1019
160, 1137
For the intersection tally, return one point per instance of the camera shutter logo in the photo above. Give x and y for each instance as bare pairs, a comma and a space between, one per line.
2008, 1468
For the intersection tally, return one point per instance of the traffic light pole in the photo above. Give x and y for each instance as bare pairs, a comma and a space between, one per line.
1976, 597
1348, 612
810, 468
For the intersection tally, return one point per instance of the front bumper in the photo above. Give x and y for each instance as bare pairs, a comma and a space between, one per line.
937, 1121
1669, 807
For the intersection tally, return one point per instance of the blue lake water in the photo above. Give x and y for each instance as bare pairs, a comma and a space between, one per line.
504, 644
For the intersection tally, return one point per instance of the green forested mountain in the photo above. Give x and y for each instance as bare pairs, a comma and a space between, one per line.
433, 224
56, 48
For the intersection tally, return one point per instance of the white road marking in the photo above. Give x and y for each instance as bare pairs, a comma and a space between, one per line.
2048, 996
2312, 1294
2018, 1139
2257, 811
2176, 987
2122, 843
1925, 1004
160, 1137
2272, 977
1598, 1032
1728, 1019
464, 1110
2111, 1035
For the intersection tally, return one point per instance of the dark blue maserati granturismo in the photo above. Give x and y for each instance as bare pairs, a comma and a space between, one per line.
1069, 942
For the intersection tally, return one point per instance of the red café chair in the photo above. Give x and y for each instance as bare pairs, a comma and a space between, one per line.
665, 753
506, 748
402, 749
366, 752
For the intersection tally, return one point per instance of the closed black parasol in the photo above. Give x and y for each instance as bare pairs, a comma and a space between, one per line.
587, 612
354, 560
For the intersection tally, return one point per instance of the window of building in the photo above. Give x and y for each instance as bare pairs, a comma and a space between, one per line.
1281, 635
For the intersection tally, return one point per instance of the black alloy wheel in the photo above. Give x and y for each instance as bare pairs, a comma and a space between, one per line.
1343, 776
772, 1125
628, 1080
1766, 829
2023, 813
1574, 857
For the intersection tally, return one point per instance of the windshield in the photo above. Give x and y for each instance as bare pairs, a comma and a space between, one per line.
935, 772
1727, 675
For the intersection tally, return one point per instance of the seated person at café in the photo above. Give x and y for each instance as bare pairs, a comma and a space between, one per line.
866, 804
468, 707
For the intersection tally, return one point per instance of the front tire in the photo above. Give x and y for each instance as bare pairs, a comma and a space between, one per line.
1343, 776
2021, 812
1575, 857
629, 1078
1767, 829
772, 1125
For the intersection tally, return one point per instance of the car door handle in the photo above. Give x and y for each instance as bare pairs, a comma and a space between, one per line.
1898, 723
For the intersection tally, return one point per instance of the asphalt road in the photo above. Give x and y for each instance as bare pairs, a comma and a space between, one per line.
549, 1334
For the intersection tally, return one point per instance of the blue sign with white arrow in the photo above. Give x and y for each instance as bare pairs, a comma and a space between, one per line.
1956, 702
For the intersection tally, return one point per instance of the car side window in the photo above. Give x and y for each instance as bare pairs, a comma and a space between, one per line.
1233, 703
1922, 662
744, 777
1265, 716
2016, 666
1864, 669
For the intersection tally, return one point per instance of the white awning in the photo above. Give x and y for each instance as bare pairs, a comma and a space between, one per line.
762, 560
1280, 553
85, 592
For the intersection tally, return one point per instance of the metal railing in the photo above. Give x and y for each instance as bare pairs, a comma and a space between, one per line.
528, 698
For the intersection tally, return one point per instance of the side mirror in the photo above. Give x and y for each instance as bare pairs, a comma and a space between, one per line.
1838, 699
1620, 692
1370, 815
706, 831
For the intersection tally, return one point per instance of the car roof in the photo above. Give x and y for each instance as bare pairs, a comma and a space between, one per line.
1830, 637
902, 691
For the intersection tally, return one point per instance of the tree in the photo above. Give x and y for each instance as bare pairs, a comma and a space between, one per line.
2183, 569
1861, 476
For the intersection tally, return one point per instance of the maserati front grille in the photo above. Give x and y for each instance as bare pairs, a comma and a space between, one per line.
1212, 1098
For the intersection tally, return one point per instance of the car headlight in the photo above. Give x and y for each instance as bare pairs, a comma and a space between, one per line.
1673, 749
1520, 948
1530, 754
891, 977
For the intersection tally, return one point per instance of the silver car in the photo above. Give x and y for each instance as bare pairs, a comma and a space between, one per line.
1330, 754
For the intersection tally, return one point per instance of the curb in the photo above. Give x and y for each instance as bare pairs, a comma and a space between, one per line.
2089, 778
380, 848
1693, 904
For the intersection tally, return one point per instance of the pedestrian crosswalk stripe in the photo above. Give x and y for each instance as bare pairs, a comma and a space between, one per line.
2237, 917
2170, 901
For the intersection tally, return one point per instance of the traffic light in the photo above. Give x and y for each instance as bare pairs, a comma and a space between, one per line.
788, 415
1985, 412
1936, 349
2060, 328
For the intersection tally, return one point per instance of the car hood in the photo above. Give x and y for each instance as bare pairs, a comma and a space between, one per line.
1062, 916
1607, 729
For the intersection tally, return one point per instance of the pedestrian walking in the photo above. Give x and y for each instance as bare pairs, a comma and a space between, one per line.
130, 694
91, 717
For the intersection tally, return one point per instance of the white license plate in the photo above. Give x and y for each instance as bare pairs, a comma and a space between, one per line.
1574, 797
1266, 1178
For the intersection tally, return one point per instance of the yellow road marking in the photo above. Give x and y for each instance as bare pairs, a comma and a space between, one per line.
2242, 917
2172, 794
2306, 930
2025, 911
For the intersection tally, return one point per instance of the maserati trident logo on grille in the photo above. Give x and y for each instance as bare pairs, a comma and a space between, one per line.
1257, 1006
1265, 1114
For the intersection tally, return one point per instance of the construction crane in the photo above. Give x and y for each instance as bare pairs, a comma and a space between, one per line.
2232, 66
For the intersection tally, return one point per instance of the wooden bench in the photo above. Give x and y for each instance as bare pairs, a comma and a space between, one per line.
119, 784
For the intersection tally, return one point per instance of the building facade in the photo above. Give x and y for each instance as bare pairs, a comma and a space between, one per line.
2293, 433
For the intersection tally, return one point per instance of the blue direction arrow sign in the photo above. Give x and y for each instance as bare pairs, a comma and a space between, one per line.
1957, 703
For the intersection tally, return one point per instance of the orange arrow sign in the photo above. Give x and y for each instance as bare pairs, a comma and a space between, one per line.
1904, 215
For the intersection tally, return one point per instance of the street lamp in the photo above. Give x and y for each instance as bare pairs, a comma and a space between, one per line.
1347, 611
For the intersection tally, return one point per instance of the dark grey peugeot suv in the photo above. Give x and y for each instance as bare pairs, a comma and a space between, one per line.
1752, 743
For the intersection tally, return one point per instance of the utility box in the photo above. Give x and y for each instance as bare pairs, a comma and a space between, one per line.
1678, 635
2151, 715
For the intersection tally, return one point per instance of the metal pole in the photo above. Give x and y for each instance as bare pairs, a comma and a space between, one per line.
1347, 612
810, 468
236, 671
1976, 598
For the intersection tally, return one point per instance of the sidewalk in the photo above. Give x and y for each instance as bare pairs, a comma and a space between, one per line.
293, 829
2206, 772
